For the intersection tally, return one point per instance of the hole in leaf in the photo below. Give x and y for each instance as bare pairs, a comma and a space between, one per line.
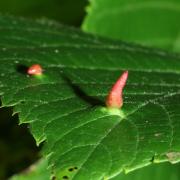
18, 149
75, 168
53, 178
70, 169
65, 177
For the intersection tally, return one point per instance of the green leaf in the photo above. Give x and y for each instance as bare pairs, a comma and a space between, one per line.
65, 106
163, 171
153, 23
36, 171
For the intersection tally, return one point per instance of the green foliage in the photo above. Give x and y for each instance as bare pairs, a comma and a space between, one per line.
163, 171
65, 106
153, 23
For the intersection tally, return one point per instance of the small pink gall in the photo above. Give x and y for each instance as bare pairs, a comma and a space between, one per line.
35, 69
114, 98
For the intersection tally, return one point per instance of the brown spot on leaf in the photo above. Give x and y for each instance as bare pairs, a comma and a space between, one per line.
173, 156
70, 169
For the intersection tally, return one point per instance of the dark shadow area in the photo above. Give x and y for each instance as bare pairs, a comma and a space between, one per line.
21, 69
94, 101
17, 146
70, 12
152, 159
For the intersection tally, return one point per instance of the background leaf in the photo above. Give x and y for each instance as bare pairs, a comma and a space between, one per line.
36, 171
163, 171
153, 23
65, 106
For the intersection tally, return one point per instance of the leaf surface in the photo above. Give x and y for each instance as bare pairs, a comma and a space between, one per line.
65, 106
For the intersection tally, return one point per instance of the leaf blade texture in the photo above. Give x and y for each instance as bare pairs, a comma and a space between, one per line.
65, 106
